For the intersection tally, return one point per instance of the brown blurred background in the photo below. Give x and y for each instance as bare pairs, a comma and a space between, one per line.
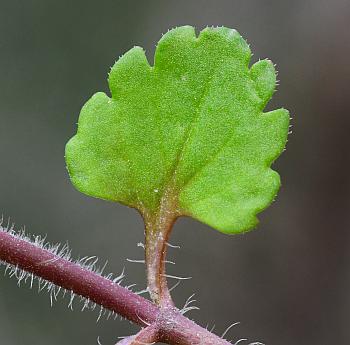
288, 282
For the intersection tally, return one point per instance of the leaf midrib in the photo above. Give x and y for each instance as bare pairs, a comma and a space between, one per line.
171, 186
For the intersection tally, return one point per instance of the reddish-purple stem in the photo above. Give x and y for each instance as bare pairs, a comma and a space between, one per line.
148, 335
173, 327
73, 277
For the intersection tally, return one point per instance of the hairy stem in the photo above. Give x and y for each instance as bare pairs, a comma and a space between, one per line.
172, 327
73, 277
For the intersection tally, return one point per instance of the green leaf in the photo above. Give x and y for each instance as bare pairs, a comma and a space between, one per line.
187, 136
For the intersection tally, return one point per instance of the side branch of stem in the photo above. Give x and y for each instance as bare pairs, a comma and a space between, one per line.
148, 335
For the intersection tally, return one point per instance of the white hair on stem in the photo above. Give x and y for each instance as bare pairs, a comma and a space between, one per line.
228, 328
186, 308
61, 251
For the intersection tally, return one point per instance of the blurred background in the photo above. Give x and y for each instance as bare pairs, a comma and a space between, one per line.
287, 282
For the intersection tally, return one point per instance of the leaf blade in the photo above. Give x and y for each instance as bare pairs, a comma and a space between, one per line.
191, 128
